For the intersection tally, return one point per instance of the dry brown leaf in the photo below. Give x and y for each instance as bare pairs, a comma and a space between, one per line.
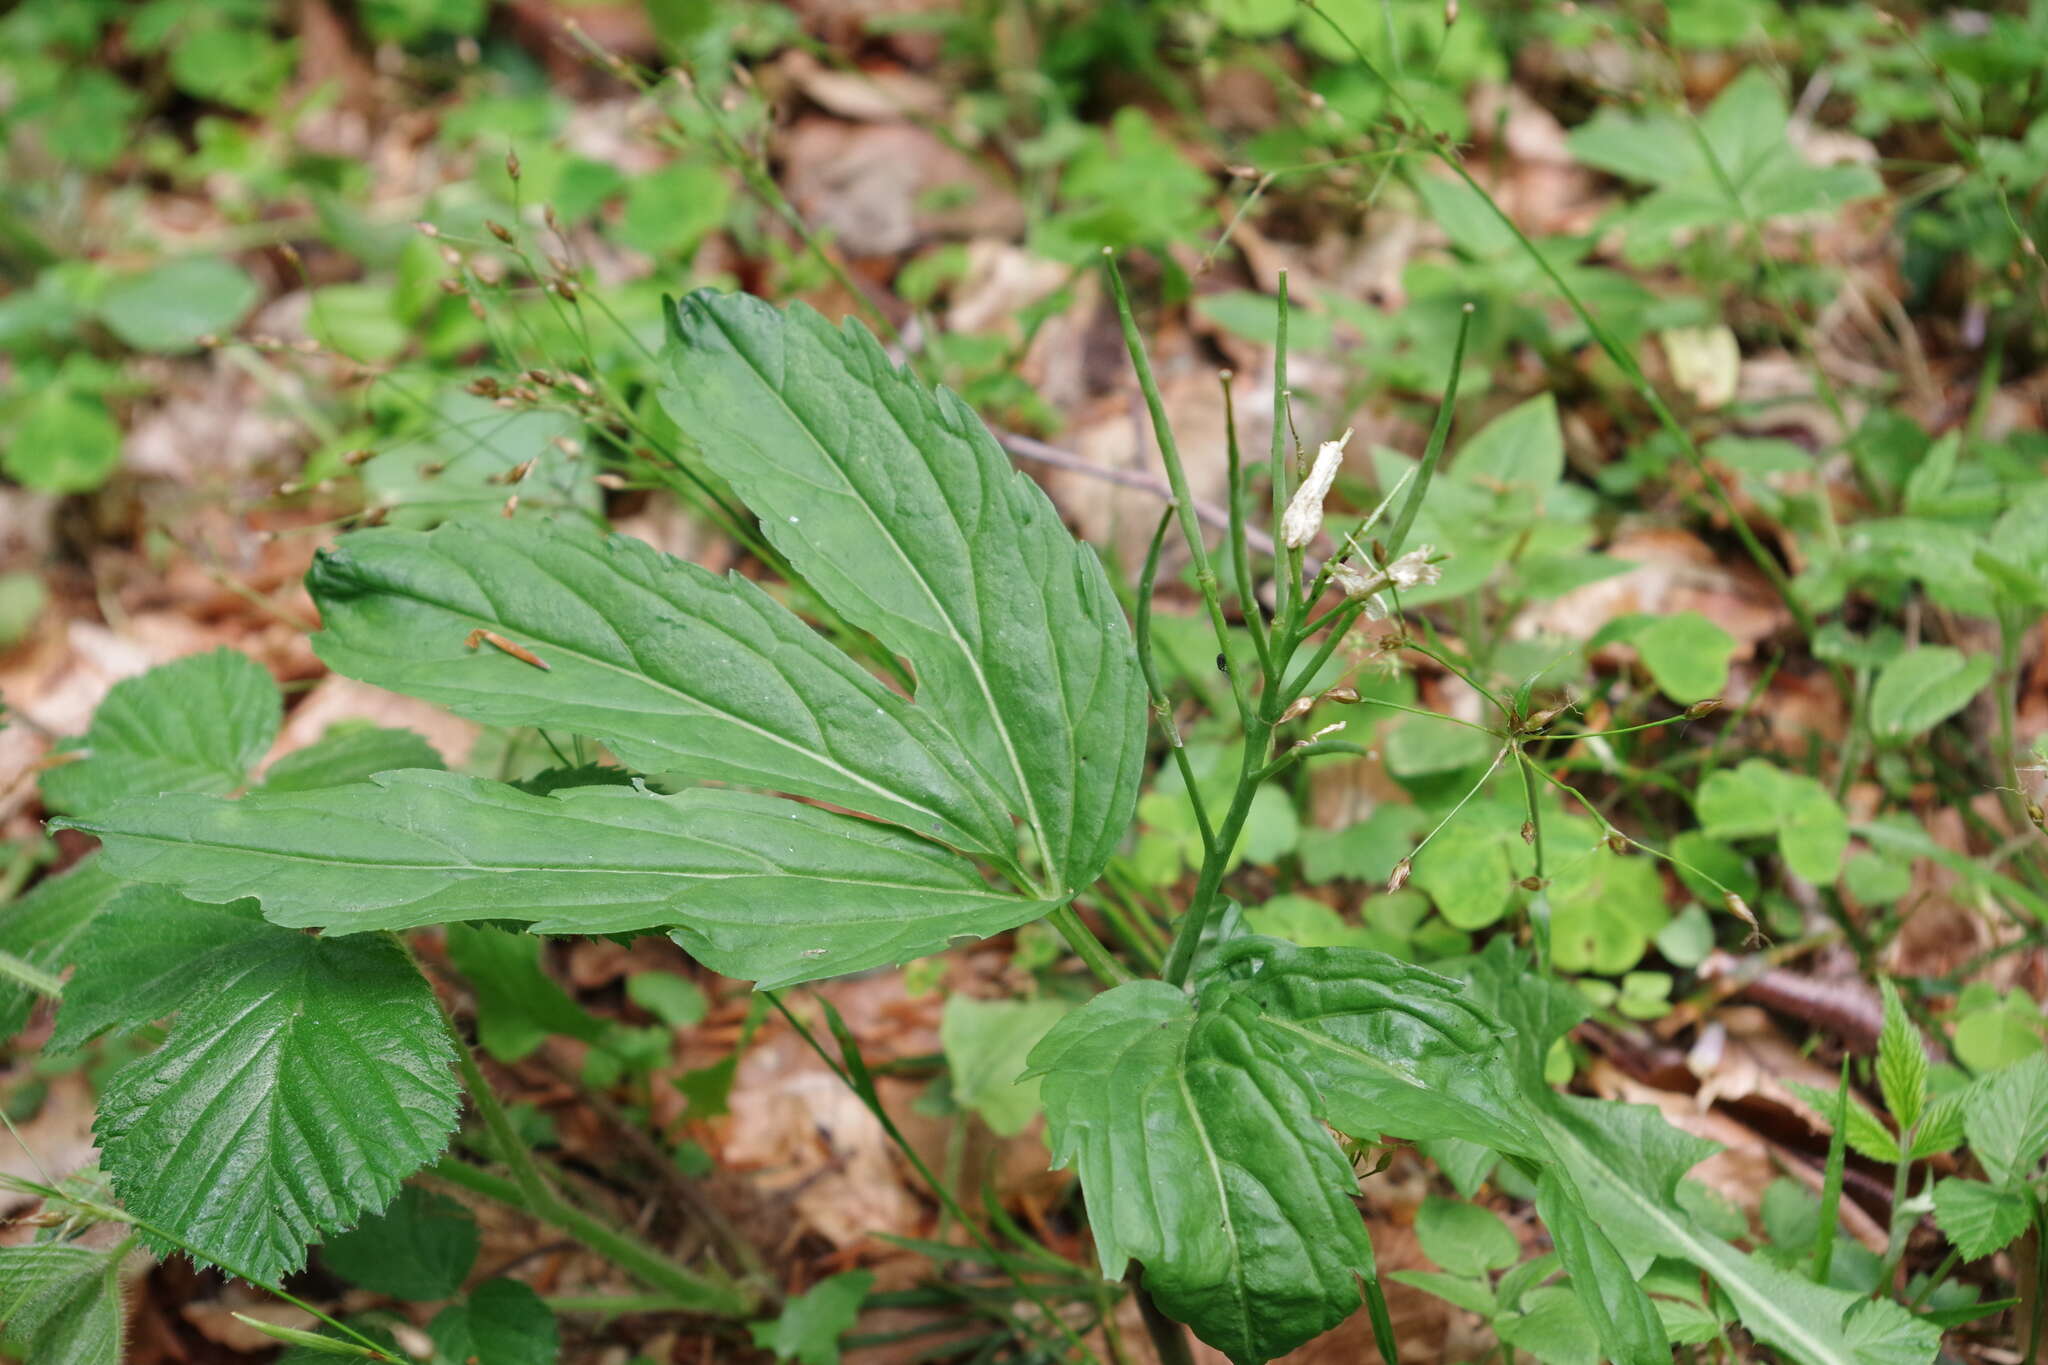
870, 186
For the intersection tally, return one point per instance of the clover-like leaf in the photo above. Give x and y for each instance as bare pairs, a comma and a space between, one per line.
302, 1079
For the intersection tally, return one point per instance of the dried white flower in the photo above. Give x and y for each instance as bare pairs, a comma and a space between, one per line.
1413, 569
1304, 514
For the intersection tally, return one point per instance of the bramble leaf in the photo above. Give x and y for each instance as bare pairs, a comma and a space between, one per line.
303, 1079
1980, 1218
349, 753
900, 510
40, 927
419, 1248
196, 725
2007, 1120
673, 668
1865, 1133
60, 1304
1901, 1061
503, 1322
754, 887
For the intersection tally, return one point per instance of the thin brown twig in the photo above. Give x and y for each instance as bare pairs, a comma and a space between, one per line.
1038, 452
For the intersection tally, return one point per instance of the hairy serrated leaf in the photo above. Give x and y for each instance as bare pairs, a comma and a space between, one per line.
419, 1248
503, 1322
755, 887
673, 668
40, 928
303, 1079
1866, 1134
60, 1304
899, 509
349, 753
1980, 1218
1901, 1061
196, 725
2007, 1119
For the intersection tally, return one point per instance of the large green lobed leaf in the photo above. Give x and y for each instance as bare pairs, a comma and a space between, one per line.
755, 887
900, 510
673, 668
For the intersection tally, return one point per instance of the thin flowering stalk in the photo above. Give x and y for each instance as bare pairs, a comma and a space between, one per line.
1162, 706
1432, 454
1177, 477
1240, 547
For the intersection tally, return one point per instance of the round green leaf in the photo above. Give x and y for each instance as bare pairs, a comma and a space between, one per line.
1465, 1239
64, 443
170, 307
1920, 690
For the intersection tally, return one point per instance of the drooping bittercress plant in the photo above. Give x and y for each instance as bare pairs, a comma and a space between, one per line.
852, 824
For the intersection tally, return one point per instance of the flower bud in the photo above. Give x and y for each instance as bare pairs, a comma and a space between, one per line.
1700, 710
1399, 878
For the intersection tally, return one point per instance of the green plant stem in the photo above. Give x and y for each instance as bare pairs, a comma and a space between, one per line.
1287, 604
530, 1190
1901, 1225
29, 975
1528, 768
1831, 1185
1128, 932
1432, 454
1088, 947
861, 1086
680, 1290
1162, 705
1169, 1339
1183, 498
1936, 1280
1240, 548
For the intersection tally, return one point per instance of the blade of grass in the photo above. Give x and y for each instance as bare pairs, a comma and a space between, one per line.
1831, 1183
